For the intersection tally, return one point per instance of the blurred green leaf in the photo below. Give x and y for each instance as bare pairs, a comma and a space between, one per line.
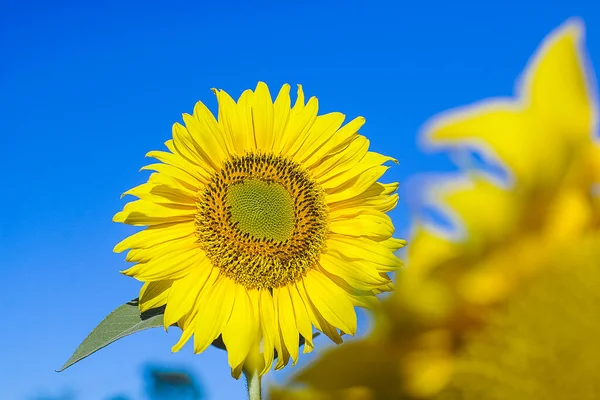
122, 322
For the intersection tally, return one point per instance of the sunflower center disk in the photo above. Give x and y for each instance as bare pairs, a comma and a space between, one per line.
262, 221
263, 210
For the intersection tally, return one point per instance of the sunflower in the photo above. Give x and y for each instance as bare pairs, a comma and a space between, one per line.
262, 224
503, 305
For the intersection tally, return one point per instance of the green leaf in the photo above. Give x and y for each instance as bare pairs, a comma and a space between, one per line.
122, 322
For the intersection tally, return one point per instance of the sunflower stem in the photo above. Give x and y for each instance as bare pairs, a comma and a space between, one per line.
253, 380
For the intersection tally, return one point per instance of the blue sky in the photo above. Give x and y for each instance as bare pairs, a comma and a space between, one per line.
86, 89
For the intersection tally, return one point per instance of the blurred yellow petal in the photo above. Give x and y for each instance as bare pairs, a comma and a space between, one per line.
427, 374
484, 212
550, 120
564, 105
364, 364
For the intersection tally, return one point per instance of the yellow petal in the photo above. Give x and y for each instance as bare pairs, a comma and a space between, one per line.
235, 120
383, 203
482, 211
370, 205
427, 251
141, 212
163, 194
268, 328
360, 276
283, 353
363, 249
187, 326
303, 323
185, 187
570, 216
370, 160
331, 301
263, 118
368, 225
343, 160
185, 291
213, 307
286, 319
355, 186
426, 373
208, 144
565, 104
341, 138
394, 244
356, 363
189, 149
255, 359
281, 110
300, 121
187, 179
320, 132
210, 125
175, 160
156, 234
489, 126
315, 316
359, 298
174, 265
169, 247
240, 331
154, 294
550, 121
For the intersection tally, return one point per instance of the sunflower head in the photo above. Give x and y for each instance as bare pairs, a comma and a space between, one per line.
262, 224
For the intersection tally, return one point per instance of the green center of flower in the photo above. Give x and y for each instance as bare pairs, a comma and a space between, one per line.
262, 220
263, 210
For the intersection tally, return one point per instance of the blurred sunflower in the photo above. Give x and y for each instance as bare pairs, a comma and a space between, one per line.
261, 225
504, 305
